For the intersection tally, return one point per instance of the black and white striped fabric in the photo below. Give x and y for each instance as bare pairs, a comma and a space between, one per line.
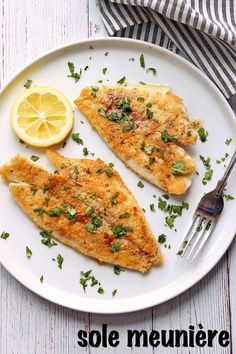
203, 31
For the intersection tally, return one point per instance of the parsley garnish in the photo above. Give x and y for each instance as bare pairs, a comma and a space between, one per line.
113, 198
153, 70
104, 70
72, 213
5, 235
59, 260
140, 99
208, 174
85, 151
117, 269
41, 279
28, 83
73, 74
102, 112
166, 137
116, 247
203, 134
101, 290
90, 210
142, 61
90, 227
140, 184
122, 80
46, 238
34, 158
228, 197
124, 216
54, 212
228, 141
128, 127
173, 210
120, 230
28, 252
178, 168
162, 238
77, 139
152, 208
149, 113
131, 59
207, 177
114, 292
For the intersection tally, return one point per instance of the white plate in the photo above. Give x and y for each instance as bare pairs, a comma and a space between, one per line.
135, 291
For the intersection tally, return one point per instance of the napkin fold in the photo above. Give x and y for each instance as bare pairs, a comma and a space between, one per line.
204, 32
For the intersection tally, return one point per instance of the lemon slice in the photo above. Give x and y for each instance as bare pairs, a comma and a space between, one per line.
42, 116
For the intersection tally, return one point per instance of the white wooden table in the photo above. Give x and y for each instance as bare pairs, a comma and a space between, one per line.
29, 324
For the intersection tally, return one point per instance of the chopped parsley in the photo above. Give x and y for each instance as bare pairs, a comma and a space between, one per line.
46, 238
54, 212
95, 88
102, 112
85, 151
140, 184
228, 141
142, 61
76, 76
104, 70
106, 54
59, 260
128, 127
166, 137
172, 210
208, 174
149, 113
41, 279
152, 208
228, 197
131, 59
178, 168
222, 159
34, 158
120, 230
162, 238
28, 252
114, 292
150, 162
140, 99
203, 134
189, 132
28, 83
77, 139
89, 211
122, 80
116, 247
72, 213
153, 70
180, 252
5, 235
142, 83
117, 270
85, 277
113, 198
147, 150
101, 290
206, 162
90, 227
124, 216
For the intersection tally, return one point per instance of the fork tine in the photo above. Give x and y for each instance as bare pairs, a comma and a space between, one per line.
186, 236
199, 233
205, 237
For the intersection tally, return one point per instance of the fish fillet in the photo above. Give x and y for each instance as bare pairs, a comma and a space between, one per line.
86, 206
143, 125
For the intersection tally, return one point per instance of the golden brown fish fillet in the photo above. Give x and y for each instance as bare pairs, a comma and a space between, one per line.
143, 124
85, 206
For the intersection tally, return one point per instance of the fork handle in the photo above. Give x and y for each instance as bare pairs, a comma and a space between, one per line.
222, 183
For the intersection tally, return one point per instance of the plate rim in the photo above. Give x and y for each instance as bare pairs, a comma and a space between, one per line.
134, 304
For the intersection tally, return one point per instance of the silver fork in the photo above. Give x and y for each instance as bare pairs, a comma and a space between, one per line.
205, 217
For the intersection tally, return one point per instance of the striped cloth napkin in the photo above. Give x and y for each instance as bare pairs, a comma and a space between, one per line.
202, 31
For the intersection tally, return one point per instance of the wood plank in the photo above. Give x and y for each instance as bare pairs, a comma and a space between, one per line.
96, 26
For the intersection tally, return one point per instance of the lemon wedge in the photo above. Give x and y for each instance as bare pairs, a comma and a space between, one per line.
42, 116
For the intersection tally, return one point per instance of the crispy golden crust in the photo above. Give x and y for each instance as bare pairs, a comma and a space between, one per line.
38, 192
152, 115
